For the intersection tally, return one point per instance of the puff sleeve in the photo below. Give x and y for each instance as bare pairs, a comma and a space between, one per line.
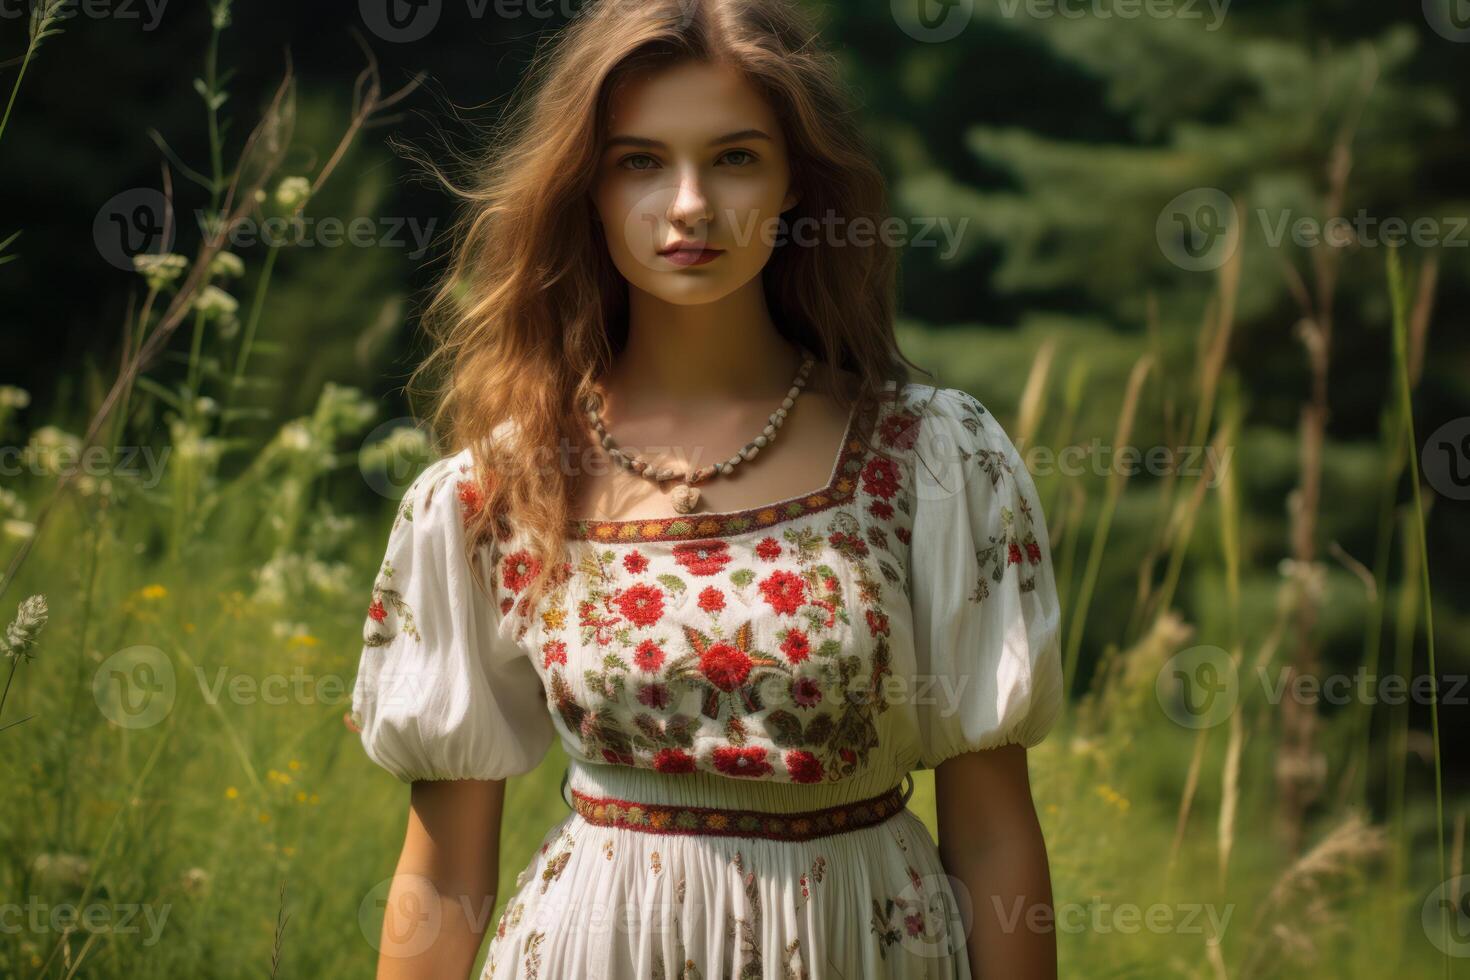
440, 693
987, 618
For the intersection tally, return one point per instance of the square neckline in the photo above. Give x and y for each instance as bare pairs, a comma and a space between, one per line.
840, 487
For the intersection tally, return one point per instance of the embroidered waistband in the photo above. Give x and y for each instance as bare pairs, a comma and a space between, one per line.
662, 818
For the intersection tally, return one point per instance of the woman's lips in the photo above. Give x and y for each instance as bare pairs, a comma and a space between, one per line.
685, 257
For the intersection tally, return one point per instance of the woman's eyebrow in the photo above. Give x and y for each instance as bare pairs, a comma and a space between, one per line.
653, 144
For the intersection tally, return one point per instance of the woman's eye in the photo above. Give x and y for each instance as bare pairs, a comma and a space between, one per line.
636, 156
744, 153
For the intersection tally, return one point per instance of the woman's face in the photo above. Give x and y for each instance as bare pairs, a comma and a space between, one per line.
693, 155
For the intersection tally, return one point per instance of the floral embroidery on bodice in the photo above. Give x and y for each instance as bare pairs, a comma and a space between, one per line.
754, 644
785, 643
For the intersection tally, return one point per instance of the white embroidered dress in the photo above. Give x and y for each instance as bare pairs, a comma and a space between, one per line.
789, 657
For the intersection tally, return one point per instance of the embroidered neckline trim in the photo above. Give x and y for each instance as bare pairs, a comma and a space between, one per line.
841, 486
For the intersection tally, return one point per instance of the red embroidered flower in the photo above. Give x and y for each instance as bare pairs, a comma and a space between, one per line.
471, 497
517, 570
803, 766
899, 430
641, 604
725, 667
805, 691
735, 761
880, 477
648, 656
795, 646
1033, 551
555, 653
1013, 553
882, 511
877, 623
673, 760
618, 758
634, 562
847, 755
848, 543
654, 695
702, 557
506, 605
902, 534
377, 612
914, 923
711, 600
785, 591
768, 549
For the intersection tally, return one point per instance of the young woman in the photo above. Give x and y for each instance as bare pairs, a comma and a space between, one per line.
698, 526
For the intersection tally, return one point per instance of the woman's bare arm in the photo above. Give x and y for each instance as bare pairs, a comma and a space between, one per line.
443, 891
991, 842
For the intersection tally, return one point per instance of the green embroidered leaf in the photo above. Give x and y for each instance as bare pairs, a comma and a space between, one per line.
678, 730
672, 582
819, 730
742, 577
830, 648
698, 640
784, 729
890, 574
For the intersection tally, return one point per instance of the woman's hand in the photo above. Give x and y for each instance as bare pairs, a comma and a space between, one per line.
991, 844
443, 891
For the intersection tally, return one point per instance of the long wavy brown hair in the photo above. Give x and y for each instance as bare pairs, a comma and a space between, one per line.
531, 311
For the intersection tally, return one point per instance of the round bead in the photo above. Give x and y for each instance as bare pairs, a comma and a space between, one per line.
769, 431
761, 442
750, 452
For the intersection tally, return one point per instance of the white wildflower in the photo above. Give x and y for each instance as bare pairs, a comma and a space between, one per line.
10, 503
50, 450
215, 302
64, 869
292, 192
18, 529
159, 270
227, 264
194, 881
295, 437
